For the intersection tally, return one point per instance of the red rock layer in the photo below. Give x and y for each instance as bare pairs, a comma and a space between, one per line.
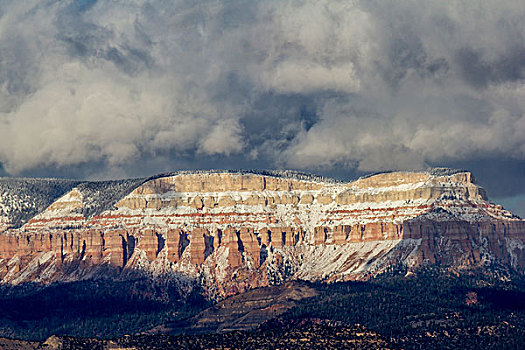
459, 242
454, 242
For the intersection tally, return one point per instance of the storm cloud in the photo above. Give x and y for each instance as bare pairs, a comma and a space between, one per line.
327, 86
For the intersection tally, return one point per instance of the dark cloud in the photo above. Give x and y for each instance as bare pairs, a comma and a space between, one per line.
125, 88
510, 67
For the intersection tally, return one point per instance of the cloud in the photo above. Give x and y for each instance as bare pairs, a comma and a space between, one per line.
303, 77
441, 82
324, 85
99, 95
225, 138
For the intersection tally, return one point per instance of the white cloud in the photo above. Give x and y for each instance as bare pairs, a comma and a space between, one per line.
304, 77
224, 138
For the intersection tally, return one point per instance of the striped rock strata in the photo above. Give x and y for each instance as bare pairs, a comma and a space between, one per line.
234, 231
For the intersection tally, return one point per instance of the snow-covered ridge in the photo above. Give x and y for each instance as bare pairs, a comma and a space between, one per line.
437, 171
234, 230
23, 199
285, 174
221, 199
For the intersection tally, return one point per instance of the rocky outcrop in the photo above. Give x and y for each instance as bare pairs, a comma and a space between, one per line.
234, 247
242, 312
235, 231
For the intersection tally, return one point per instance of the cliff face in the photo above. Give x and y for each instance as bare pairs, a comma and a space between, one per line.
235, 231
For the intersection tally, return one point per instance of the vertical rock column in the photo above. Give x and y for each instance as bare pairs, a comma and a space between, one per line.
173, 243
277, 237
93, 246
148, 243
231, 241
265, 237
320, 235
288, 236
251, 246
341, 234
198, 245
26, 249
116, 247
8, 247
217, 239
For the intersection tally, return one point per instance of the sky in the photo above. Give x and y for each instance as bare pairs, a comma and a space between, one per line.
126, 88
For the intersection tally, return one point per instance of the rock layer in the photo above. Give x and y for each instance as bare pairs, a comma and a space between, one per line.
235, 231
